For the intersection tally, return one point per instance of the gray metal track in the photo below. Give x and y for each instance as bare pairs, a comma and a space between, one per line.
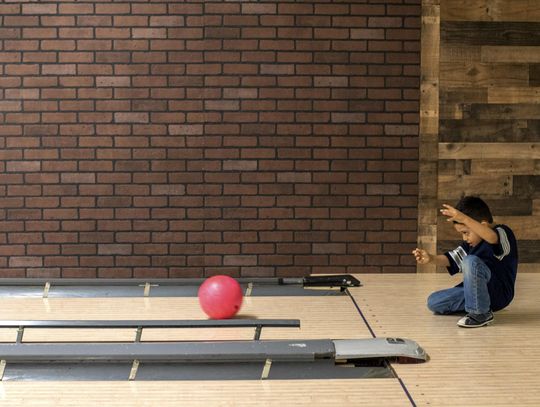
134, 282
215, 351
218, 360
210, 352
174, 287
165, 323
258, 324
319, 281
96, 371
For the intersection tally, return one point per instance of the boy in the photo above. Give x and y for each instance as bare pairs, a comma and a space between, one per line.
488, 259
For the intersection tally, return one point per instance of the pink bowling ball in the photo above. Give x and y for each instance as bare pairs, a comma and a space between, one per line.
220, 297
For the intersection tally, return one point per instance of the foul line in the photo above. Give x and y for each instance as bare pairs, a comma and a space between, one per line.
386, 362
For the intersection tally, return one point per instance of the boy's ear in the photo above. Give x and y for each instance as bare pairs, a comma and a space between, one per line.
484, 222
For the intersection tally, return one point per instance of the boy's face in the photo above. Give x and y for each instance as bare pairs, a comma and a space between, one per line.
467, 235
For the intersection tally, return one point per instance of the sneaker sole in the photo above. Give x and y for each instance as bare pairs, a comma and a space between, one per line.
476, 326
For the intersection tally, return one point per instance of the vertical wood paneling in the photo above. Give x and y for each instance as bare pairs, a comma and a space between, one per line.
429, 118
488, 130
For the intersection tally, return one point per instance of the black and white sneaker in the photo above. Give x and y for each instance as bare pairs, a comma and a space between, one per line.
476, 320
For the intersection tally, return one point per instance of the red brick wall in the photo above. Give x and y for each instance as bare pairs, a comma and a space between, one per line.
193, 138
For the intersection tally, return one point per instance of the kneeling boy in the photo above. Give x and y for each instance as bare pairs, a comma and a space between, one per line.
488, 259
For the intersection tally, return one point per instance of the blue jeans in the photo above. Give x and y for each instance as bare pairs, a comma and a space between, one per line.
473, 297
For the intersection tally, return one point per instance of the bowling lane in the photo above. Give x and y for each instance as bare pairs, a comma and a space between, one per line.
301, 393
333, 317
321, 317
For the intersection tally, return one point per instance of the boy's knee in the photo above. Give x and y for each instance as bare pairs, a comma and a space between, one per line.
474, 266
471, 259
470, 264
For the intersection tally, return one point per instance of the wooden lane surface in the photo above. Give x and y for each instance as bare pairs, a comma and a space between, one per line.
497, 365
308, 393
321, 317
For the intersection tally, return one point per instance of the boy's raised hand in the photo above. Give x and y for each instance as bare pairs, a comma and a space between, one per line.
453, 214
421, 256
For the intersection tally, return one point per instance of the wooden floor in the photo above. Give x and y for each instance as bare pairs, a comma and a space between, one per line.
495, 366
321, 317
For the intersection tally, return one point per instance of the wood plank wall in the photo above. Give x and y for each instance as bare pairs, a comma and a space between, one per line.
429, 128
489, 116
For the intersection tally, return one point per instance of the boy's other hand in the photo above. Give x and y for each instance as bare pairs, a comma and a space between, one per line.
421, 256
453, 214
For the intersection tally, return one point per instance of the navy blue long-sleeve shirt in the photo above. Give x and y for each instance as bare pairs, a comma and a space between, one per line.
502, 260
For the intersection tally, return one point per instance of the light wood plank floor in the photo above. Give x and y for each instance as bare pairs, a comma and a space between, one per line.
311, 393
491, 366
321, 317
496, 365
318, 317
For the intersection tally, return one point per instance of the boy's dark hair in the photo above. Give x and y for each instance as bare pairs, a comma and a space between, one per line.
475, 208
